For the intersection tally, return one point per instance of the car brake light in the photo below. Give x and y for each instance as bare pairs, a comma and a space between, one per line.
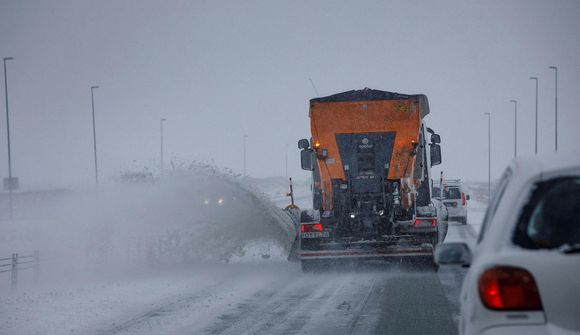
509, 289
434, 222
417, 222
463, 199
311, 227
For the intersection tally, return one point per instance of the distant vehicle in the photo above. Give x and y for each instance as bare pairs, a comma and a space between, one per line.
370, 155
454, 198
524, 276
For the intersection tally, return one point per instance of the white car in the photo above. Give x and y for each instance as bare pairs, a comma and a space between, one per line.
524, 272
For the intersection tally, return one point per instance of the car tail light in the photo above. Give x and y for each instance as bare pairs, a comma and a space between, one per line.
507, 288
417, 222
434, 222
311, 227
463, 202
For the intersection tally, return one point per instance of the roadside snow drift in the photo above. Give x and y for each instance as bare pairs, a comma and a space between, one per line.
200, 215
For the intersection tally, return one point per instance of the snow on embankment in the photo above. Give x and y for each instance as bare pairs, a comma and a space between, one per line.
198, 215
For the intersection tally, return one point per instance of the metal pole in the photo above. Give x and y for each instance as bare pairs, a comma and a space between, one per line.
36, 265
245, 136
488, 156
8, 141
286, 161
162, 120
14, 272
94, 135
555, 68
515, 102
536, 136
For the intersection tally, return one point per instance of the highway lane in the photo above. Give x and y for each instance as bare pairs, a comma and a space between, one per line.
278, 298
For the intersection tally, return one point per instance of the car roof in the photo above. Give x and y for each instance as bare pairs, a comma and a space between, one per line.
527, 167
525, 172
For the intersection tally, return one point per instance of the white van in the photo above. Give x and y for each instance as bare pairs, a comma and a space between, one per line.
454, 198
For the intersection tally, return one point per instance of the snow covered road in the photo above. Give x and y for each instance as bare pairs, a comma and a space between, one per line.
256, 291
269, 297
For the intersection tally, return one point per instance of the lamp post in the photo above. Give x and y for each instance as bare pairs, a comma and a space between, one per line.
536, 136
555, 68
94, 134
161, 122
286, 160
245, 136
488, 155
515, 102
8, 139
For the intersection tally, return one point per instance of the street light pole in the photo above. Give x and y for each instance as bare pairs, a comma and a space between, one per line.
488, 155
8, 140
536, 137
245, 136
555, 68
286, 161
515, 102
162, 120
94, 134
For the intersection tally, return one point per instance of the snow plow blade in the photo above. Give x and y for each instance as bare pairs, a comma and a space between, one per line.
390, 246
366, 253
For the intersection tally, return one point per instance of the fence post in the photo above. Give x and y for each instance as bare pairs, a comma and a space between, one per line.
14, 272
36, 265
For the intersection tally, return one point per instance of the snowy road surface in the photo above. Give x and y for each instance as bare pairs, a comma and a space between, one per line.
249, 298
252, 294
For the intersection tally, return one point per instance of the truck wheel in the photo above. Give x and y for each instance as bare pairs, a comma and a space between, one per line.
435, 239
435, 266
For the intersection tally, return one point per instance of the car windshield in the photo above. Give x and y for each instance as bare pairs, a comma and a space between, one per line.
551, 218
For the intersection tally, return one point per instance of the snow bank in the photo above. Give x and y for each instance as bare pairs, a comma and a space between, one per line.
198, 215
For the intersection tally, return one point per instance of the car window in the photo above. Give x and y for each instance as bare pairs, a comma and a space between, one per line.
550, 219
451, 193
495, 201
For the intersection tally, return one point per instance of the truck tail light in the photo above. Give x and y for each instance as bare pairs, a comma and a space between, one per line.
427, 221
463, 202
311, 227
506, 288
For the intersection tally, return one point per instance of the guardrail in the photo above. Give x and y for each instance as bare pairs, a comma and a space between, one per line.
18, 263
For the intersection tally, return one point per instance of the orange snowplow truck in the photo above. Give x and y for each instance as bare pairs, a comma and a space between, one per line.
371, 170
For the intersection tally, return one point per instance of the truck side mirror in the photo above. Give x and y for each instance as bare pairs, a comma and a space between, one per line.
303, 144
306, 159
435, 138
435, 154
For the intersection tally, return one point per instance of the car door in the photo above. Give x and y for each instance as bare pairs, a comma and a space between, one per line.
469, 288
548, 230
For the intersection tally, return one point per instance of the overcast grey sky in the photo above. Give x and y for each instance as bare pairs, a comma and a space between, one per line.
220, 69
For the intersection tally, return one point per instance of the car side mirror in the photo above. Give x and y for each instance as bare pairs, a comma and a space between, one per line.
303, 144
453, 253
435, 138
435, 154
306, 159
